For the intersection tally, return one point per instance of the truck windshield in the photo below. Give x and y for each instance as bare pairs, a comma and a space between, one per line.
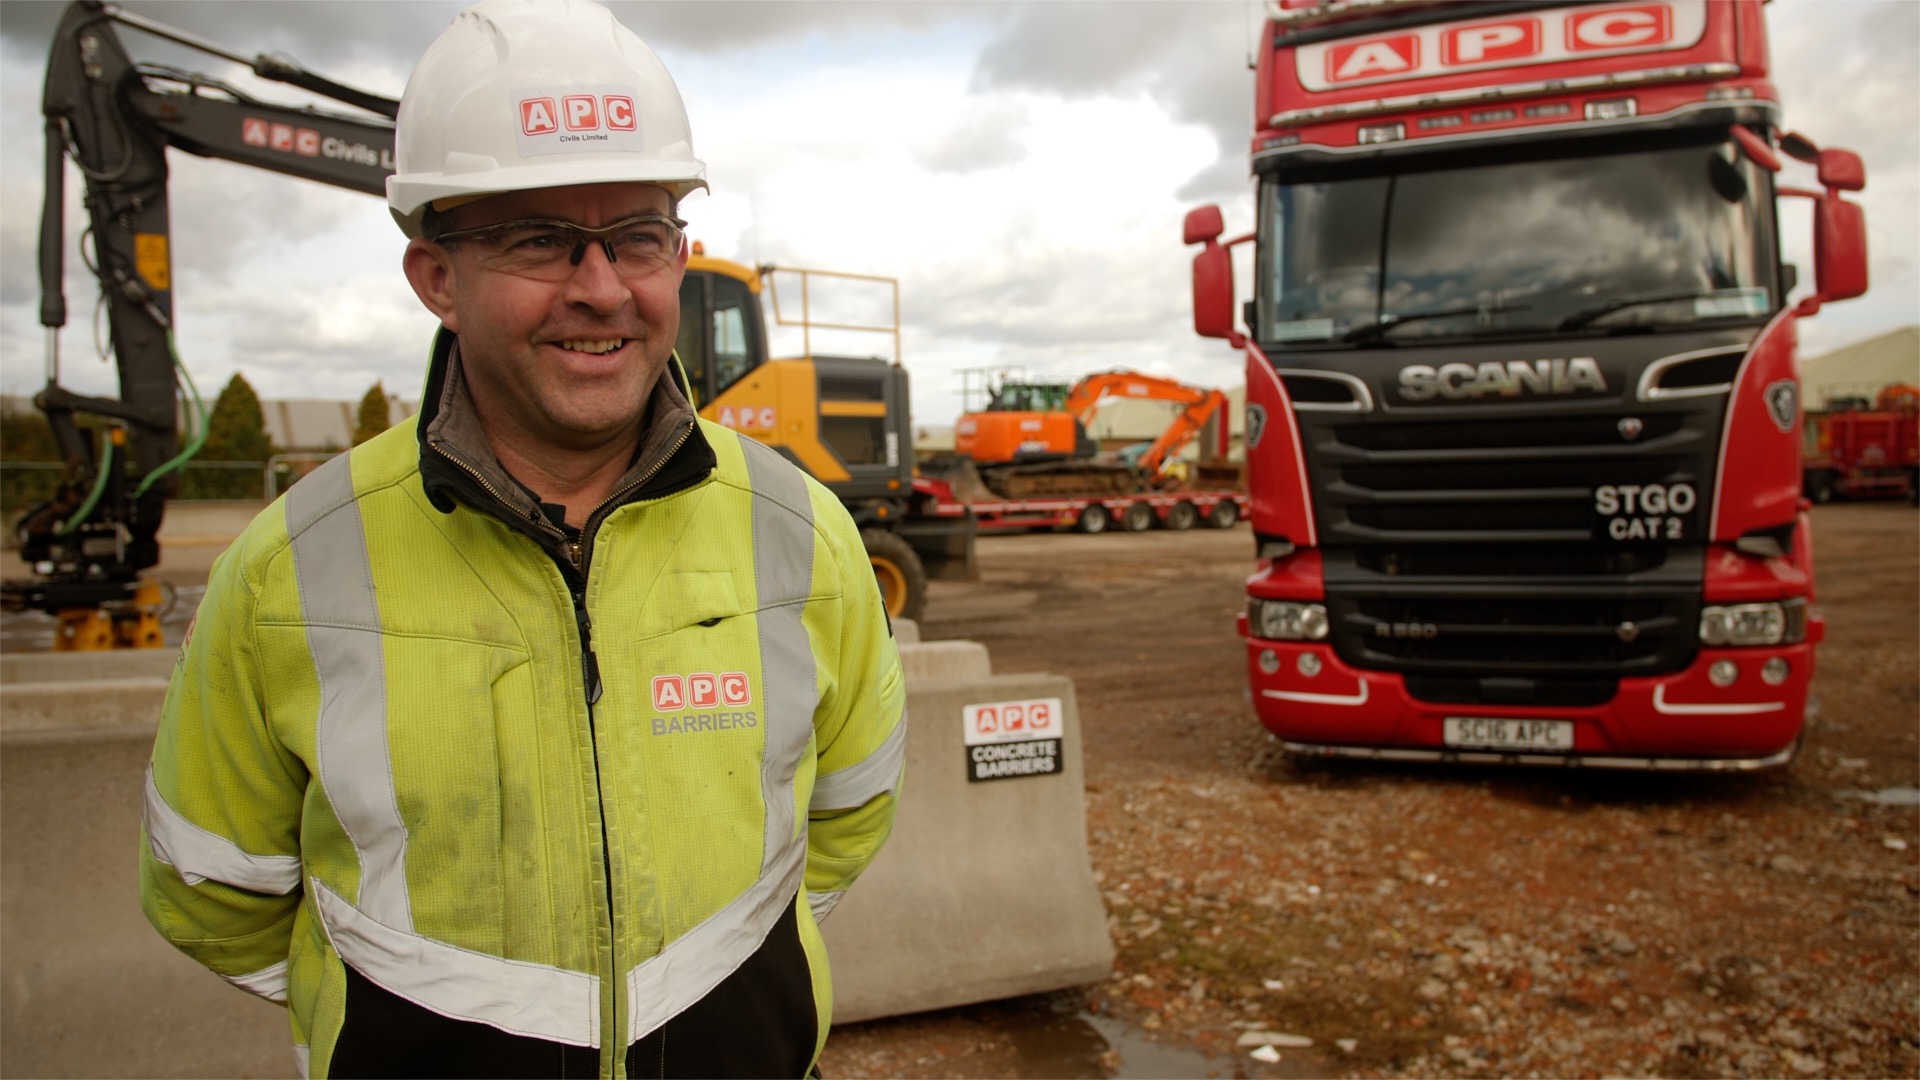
1610, 242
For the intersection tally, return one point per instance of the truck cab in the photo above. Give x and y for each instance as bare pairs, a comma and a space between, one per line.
1523, 422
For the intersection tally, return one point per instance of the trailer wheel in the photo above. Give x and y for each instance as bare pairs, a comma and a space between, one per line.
1137, 517
1180, 517
898, 572
1223, 515
1819, 486
1094, 519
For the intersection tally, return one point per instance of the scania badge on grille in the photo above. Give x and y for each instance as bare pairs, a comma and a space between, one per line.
1256, 424
1631, 427
1783, 404
1627, 631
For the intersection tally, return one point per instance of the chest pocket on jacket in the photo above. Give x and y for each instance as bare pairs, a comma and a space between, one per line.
700, 599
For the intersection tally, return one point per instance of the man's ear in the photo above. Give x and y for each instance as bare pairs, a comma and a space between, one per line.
429, 269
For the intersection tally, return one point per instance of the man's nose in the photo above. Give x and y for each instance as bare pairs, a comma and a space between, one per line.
595, 281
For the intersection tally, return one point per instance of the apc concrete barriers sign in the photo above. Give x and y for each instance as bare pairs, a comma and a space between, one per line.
1007, 739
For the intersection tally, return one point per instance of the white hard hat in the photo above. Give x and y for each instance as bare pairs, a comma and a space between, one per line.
521, 94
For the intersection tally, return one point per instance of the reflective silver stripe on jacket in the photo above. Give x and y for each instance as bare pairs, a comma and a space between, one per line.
862, 782
699, 960
823, 903
783, 576
200, 855
692, 965
524, 999
343, 633
268, 982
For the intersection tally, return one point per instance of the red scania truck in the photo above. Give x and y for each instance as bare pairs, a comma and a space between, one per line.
1523, 430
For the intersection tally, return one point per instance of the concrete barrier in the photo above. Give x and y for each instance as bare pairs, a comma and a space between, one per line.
984, 891
82, 704
49, 667
89, 988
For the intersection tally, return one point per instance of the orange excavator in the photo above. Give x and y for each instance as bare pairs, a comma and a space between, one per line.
1031, 423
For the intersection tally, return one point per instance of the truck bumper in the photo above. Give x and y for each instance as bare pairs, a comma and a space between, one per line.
1679, 721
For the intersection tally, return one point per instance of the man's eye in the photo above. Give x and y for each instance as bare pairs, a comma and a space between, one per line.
644, 238
534, 240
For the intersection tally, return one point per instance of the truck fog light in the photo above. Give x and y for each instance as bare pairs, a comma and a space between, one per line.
1723, 672
1284, 620
1308, 664
1269, 661
1774, 672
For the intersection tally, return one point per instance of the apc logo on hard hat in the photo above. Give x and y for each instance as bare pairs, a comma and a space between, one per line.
569, 119
577, 112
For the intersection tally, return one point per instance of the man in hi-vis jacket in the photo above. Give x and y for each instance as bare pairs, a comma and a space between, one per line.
534, 737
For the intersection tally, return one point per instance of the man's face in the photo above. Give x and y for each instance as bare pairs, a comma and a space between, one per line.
556, 364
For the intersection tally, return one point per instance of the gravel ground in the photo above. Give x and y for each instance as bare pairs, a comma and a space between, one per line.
1432, 921
1371, 920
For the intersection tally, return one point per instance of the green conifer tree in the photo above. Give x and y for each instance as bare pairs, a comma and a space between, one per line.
374, 416
237, 429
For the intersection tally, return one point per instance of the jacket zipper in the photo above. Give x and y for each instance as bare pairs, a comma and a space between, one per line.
589, 663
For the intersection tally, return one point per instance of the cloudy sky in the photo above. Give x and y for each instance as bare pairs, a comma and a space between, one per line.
1021, 168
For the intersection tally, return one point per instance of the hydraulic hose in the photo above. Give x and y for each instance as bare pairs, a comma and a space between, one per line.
197, 417
93, 497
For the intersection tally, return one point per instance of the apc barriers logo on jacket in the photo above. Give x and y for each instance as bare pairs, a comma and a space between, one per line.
570, 119
730, 691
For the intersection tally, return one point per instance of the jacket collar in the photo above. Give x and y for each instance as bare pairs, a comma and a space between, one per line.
457, 463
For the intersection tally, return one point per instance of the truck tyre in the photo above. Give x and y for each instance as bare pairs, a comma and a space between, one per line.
1224, 514
1137, 517
1180, 517
898, 572
1094, 519
1819, 486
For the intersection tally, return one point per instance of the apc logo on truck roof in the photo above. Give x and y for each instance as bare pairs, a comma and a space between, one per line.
1576, 33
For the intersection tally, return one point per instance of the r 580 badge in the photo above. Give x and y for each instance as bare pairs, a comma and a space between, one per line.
1645, 511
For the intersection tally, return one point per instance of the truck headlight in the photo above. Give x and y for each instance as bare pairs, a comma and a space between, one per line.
1784, 623
1284, 620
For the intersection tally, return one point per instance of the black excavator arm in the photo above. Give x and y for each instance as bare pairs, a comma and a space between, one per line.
115, 119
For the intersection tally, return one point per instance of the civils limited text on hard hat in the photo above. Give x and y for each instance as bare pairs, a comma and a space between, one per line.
1008, 739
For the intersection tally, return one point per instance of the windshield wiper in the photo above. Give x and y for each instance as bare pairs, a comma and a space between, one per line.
1586, 315
1389, 323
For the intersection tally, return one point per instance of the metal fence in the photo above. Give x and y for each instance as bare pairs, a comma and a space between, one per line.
24, 483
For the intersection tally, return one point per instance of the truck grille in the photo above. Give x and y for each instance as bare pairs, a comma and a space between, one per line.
1461, 545
1481, 479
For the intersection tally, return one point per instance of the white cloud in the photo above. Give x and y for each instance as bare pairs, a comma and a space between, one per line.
1022, 169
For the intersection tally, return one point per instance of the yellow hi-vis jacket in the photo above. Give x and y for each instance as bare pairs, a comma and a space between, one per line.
392, 790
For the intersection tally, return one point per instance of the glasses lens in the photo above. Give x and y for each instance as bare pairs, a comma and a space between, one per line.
644, 245
551, 250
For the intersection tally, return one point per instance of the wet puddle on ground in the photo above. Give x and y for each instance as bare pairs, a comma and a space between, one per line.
1893, 796
1054, 1035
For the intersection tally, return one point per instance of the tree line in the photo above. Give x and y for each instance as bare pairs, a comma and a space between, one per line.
236, 427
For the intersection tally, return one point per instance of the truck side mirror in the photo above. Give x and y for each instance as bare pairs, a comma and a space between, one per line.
1839, 248
1212, 277
1842, 170
1213, 295
1203, 224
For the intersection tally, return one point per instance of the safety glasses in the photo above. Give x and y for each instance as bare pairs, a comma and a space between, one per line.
545, 250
